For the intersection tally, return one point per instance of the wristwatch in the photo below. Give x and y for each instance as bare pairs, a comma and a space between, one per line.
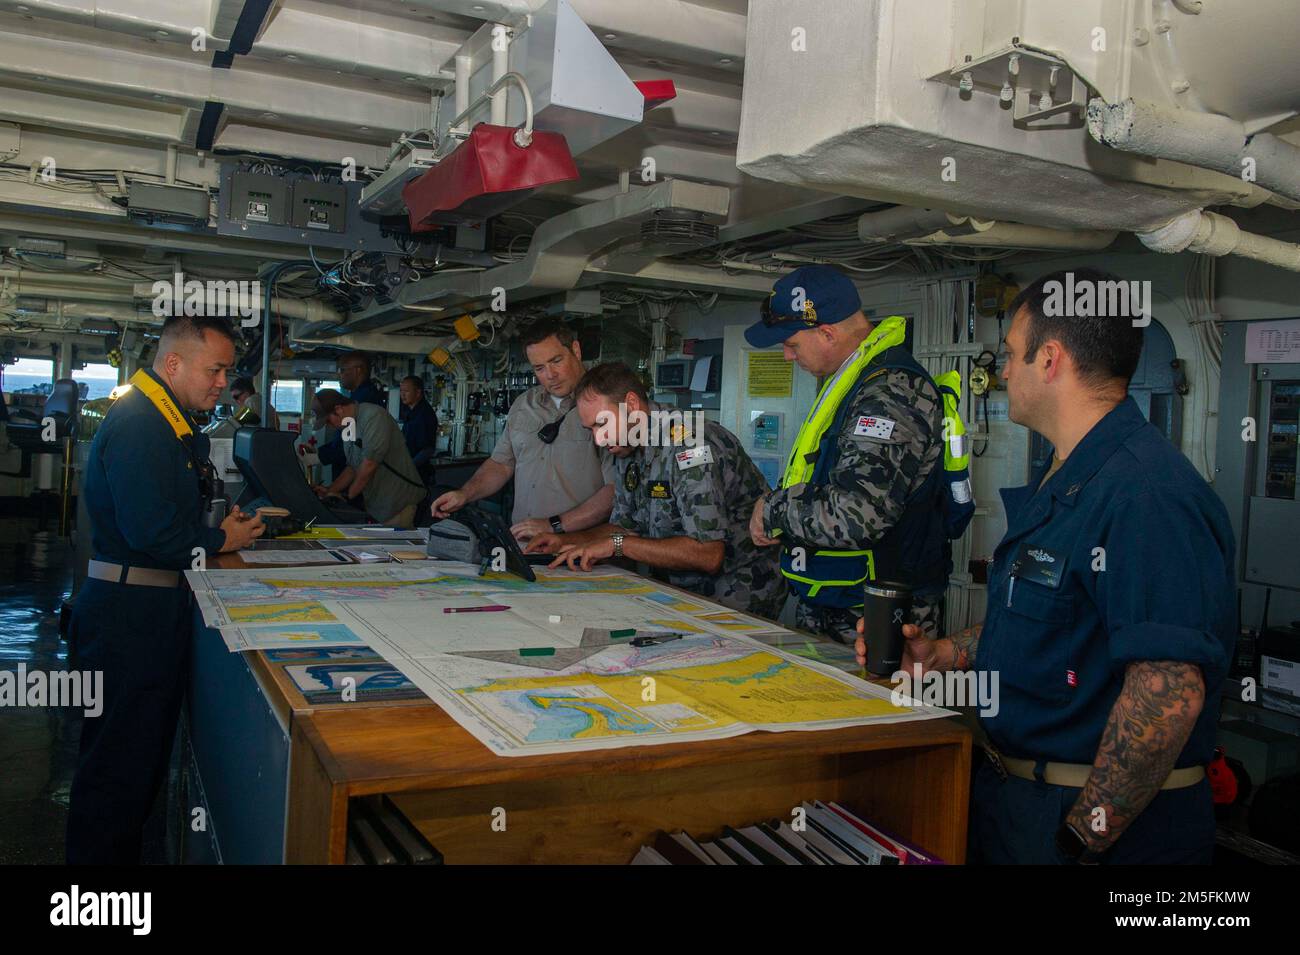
1073, 847
618, 544
557, 525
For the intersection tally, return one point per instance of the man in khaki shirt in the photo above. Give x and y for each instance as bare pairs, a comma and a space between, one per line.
377, 460
563, 482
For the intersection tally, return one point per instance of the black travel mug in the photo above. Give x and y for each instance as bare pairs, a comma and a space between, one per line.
886, 606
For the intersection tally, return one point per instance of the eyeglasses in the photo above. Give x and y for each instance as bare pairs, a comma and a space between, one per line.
772, 320
549, 432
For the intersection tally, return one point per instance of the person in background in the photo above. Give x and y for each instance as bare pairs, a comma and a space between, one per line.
146, 498
244, 394
355, 380
419, 425
563, 482
378, 464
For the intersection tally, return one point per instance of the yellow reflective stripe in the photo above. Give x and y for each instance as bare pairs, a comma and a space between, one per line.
889, 332
160, 399
956, 454
818, 584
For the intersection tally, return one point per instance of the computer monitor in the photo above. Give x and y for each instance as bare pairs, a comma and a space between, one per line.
270, 467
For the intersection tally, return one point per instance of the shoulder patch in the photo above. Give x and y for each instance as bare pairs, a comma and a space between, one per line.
870, 426
694, 457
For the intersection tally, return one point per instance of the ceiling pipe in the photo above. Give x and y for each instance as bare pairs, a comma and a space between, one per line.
1207, 140
1212, 234
65, 311
1015, 235
374, 341
30, 278
243, 299
904, 222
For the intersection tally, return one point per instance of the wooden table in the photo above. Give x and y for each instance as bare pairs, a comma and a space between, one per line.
597, 807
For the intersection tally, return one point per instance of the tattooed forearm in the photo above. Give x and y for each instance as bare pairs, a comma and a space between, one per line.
964, 645
1148, 727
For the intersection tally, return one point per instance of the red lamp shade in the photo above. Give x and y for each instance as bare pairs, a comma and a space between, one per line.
486, 173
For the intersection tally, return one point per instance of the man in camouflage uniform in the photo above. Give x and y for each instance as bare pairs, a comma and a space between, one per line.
682, 499
866, 471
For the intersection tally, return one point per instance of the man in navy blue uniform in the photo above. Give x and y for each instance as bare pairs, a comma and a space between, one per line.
419, 424
1110, 621
145, 494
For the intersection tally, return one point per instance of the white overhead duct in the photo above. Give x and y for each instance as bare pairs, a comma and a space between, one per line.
976, 106
936, 227
561, 249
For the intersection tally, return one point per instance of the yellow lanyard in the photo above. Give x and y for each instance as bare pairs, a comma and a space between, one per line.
163, 402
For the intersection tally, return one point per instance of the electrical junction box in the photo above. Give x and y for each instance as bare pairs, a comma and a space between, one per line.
319, 206
155, 202
466, 328
258, 198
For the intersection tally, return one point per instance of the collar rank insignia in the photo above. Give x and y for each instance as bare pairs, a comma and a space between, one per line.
659, 490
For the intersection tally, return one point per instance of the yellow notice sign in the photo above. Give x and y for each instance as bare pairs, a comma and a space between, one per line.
769, 375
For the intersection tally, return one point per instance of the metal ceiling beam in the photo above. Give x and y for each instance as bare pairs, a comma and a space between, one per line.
168, 22
560, 250
366, 44
80, 68
65, 227
667, 29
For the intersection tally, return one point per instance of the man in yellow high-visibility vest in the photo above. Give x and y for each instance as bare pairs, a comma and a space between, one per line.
863, 495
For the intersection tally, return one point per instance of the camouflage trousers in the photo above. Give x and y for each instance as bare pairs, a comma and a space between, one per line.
842, 625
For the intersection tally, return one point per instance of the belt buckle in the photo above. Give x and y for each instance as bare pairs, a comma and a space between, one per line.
999, 767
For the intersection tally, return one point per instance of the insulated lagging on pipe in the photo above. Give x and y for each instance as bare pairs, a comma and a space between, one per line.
1207, 140
1212, 234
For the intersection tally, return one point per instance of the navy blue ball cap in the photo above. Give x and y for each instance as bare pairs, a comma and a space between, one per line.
809, 296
